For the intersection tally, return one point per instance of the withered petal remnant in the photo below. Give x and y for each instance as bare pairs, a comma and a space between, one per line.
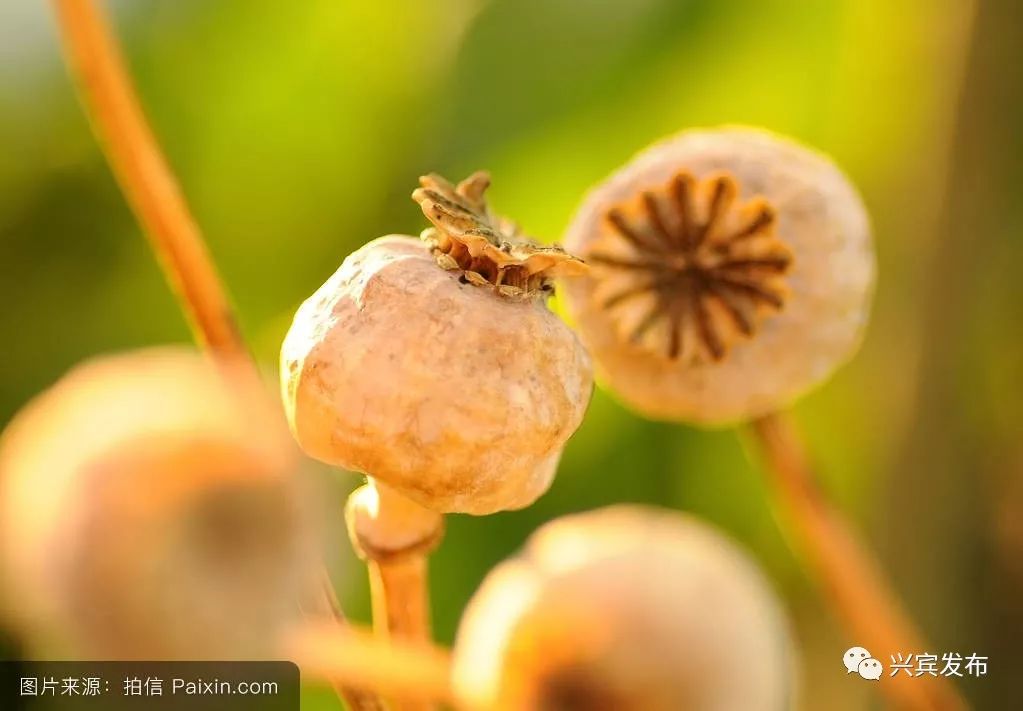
488, 249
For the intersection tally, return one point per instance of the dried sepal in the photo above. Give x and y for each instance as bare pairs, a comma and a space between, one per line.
488, 249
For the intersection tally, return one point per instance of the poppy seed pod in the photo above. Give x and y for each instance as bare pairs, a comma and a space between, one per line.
147, 513
625, 608
732, 270
434, 365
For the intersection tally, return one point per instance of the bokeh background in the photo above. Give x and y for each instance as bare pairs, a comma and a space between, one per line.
298, 130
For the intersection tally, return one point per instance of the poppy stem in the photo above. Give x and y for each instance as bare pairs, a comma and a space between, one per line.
145, 176
395, 536
153, 192
852, 581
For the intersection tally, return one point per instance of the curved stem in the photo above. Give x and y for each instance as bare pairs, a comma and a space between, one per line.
144, 175
153, 193
852, 580
416, 673
353, 691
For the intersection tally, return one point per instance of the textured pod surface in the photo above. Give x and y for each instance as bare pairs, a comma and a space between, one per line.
146, 514
627, 608
731, 271
457, 397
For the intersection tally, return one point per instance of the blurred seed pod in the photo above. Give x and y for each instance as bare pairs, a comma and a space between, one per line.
731, 271
625, 608
150, 510
435, 366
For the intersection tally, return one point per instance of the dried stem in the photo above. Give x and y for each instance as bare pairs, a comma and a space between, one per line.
401, 608
853, 582
401, 597
413, 672
395, 536
144, 175
354, 693
153, 193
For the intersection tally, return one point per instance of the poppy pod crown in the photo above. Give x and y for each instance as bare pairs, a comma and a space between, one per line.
730, 271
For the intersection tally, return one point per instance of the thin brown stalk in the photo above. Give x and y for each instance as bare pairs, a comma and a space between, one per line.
354, 693
853, 582
153, 193
400, 597
143, 174
400, 600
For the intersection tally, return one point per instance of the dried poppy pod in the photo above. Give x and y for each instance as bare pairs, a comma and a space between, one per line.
434, 364
627, 608
732, 270
146, 512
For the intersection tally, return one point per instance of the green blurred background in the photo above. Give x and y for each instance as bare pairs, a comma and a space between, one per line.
298, 130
